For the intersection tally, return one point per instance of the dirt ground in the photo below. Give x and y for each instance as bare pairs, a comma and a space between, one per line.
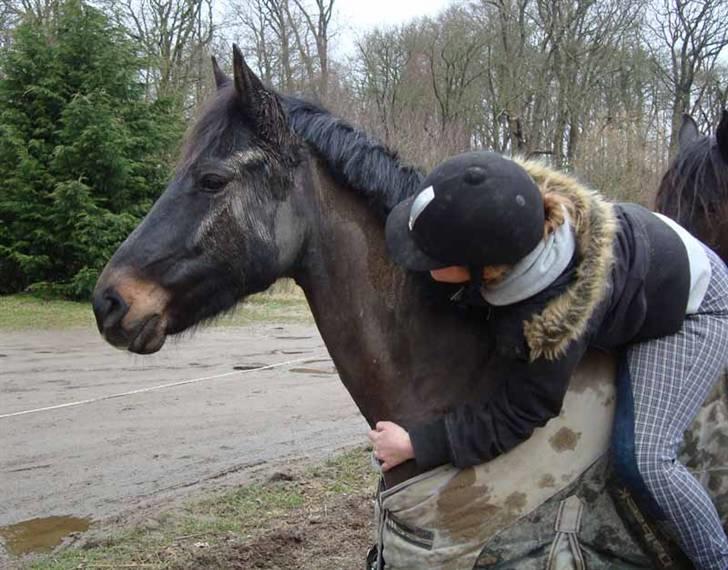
107, 457
328, 533
340, 541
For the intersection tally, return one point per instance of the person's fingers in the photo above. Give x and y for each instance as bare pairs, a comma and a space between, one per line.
373, 436
386, 466
381, 425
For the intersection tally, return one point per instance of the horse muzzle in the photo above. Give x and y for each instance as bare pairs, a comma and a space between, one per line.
130, 312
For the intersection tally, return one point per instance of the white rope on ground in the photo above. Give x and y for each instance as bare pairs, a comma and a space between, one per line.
160, 387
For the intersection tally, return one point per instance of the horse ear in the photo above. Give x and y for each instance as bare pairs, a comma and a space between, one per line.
688, 132
220, 78
250, 89
722, 135
257, 102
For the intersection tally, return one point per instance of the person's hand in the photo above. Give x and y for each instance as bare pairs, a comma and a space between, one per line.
392, 444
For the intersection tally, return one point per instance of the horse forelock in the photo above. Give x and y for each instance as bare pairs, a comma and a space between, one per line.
209, 134
224, 132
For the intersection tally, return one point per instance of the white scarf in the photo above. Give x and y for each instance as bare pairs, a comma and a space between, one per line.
536, 271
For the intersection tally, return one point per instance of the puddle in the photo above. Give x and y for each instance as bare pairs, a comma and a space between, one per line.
40, 535
312, 371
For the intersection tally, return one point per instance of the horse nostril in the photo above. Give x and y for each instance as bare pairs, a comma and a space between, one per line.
109, 309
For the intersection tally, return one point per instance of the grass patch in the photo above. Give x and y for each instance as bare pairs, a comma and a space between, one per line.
268, 307
318, 518
18, 312
25, 312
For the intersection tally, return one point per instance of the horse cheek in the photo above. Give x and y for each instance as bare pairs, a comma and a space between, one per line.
288, 232
253, 217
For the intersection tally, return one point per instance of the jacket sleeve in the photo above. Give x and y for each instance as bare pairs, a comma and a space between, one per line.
528, 395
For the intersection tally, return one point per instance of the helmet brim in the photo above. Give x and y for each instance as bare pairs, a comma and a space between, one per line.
401, 246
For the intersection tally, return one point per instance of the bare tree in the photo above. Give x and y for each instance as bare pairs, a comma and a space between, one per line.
278, 21
318, 22
8, 21
13, 11
174, 36
690, 36
42, 10
289, 40
714, 97
580, 37
514, 77
383, 60
257, 37
454, 53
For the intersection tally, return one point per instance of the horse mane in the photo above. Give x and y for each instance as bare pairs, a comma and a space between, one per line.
695, 183
354, 159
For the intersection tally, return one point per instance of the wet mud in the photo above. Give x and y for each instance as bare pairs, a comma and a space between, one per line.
41, 534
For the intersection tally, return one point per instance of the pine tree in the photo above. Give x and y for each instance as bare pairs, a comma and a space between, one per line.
82, 154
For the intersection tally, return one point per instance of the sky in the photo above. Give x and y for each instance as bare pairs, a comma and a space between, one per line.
356, 16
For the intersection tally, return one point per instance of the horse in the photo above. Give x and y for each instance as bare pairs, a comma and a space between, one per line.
269, 186
694, 189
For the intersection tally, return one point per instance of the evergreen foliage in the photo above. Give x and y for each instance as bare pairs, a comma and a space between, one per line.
82, 154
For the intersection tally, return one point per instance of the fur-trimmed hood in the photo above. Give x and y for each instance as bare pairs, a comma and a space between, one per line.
565, 318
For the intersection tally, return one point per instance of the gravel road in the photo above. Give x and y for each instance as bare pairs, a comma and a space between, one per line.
110, 456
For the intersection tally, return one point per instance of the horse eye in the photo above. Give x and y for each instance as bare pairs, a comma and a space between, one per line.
213, 182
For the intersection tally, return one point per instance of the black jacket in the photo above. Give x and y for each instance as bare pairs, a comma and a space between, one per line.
629, 281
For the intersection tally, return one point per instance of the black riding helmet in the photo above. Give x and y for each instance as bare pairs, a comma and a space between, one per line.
475, 209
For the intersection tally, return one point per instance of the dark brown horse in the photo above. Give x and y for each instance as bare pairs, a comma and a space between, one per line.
251, 202
694, 190
271, 187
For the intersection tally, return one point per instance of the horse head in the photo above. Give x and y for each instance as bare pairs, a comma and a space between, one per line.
694, 190
224, 228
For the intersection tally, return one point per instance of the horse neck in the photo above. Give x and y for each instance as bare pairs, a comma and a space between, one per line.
401, 358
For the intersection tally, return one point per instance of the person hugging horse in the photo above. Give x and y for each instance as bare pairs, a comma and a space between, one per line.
557, 269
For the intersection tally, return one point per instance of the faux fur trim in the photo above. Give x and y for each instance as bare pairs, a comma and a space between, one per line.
565, 318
